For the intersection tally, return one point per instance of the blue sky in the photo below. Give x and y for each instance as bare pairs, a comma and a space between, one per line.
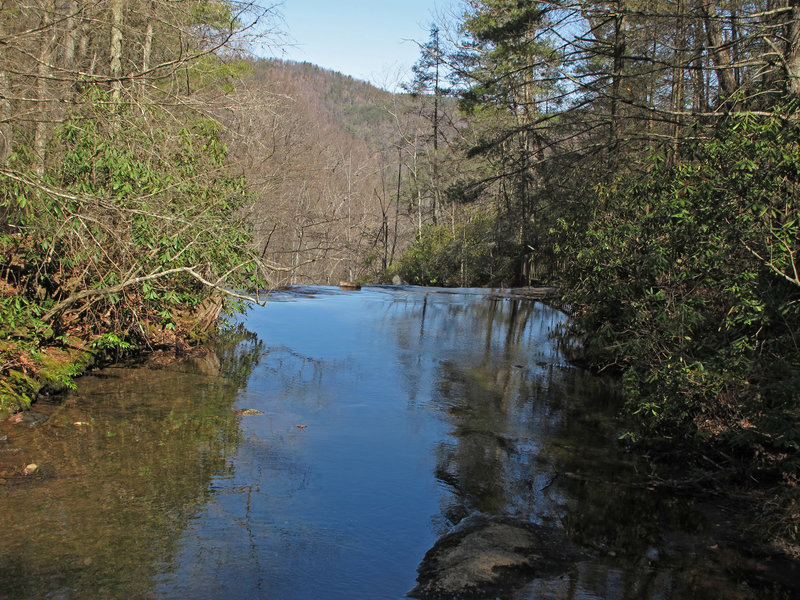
367, 39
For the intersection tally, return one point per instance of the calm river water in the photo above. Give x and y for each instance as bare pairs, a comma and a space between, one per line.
389, 415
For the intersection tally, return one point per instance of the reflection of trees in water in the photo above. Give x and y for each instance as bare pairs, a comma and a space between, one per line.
292, 369
488, 365
287, 370
532, 438
460, 324
434, 326
494, 461
113, 497
520, 418
536, 443
597, 581
238, 350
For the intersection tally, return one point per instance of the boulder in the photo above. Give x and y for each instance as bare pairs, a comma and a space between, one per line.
491, 556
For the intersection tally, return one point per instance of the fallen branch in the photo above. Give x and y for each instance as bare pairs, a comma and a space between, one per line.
83, 294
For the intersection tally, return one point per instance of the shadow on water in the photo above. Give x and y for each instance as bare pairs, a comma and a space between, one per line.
386, 417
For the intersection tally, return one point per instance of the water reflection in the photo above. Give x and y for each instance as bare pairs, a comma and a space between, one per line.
388, 415
495, 380
114, 492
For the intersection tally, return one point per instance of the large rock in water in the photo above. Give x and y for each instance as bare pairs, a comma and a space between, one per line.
488, 557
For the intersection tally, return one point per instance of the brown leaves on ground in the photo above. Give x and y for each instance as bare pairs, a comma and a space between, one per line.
13, 356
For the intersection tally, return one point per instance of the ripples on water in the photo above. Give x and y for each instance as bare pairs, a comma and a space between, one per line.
388, 415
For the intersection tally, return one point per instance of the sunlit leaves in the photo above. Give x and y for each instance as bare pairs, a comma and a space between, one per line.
124, 204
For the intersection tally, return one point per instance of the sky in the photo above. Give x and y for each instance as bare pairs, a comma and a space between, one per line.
371, 40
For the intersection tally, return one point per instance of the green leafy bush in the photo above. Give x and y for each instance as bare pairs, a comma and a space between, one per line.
132, 230
685, 280
479, 253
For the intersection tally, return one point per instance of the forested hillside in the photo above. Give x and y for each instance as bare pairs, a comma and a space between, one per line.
335, 101
313, 146
341, 171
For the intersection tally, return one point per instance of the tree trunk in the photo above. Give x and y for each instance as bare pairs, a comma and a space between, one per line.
397, 204
720, 54
618, 66
115, 49
700, 85
43, 114
793, 57
436, 93
147, 47
6, 128
70, 36
677, 91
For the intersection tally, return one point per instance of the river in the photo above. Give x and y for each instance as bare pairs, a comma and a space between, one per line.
387, 415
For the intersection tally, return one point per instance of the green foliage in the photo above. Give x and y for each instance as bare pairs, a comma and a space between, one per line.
217, 15
111, 342
18, 316
173, 197
112, 242
478, 254
207, 72
59, 375
20, 356
429, 260
682, 280
508, 40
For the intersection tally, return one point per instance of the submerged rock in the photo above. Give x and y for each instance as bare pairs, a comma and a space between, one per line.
29, 418
249, 411
488, 557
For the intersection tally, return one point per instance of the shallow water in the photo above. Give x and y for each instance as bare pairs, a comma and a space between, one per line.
389, 414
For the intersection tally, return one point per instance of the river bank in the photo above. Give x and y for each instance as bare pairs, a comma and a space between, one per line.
36, 359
